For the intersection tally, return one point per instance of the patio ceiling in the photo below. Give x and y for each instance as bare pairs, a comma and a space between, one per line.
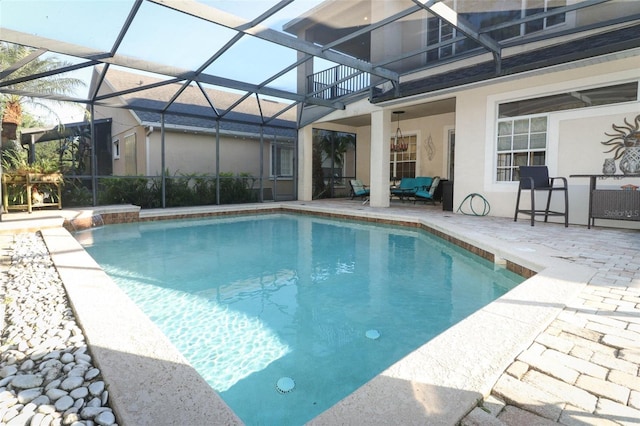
249, 47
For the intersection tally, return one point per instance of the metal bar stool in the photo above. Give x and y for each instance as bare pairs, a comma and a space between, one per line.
536, 178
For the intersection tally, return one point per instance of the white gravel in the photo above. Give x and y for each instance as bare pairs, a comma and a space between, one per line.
46, 372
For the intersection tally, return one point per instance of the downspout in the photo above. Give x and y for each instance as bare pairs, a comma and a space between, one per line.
162, 162
94, 159
150, 131
295, 166
218, 161
275, 172
261, 187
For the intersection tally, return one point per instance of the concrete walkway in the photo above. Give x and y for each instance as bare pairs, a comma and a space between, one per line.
582, 367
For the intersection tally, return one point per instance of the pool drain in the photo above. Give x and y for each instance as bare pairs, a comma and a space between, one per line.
372, 334
285, 385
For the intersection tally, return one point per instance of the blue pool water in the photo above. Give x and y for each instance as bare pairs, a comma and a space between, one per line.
326, 303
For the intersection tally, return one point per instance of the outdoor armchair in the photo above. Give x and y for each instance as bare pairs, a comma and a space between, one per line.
426, 193
358, 189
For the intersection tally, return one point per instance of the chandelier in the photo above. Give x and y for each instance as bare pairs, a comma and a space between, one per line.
398, 144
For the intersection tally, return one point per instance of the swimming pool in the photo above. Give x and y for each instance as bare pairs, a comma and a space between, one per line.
251, 300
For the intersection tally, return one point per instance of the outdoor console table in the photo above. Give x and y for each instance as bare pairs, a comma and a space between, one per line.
614, 204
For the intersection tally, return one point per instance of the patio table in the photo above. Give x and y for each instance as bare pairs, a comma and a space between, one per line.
613, 204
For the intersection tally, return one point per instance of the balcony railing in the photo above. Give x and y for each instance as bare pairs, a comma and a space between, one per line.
336, 82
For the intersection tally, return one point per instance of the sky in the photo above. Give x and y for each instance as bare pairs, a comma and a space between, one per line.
158, 34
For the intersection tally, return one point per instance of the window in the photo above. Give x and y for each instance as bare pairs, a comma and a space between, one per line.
497, 19
116, 149
522, 141
130, 155
439, 31
513, 10
282, 160
540, 6
522, 125
403, 163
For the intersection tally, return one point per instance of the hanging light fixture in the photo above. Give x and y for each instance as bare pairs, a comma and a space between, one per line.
398, 144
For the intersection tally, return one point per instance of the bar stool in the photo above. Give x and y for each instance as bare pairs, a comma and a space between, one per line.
536, 178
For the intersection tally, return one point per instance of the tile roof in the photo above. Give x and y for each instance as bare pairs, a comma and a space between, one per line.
194, 108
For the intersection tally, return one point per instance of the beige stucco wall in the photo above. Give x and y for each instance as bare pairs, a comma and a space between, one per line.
433, 126
123, 124
436, 126
189, 153
185, 153
573, 136
363, 154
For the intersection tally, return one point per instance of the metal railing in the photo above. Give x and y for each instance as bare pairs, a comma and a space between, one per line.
336, 82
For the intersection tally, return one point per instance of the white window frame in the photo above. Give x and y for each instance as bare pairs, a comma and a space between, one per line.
413, 138
448, 135
529, 150
545, 24
273, 152
493, 102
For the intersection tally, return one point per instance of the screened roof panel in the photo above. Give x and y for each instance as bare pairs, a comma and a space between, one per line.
284, 82
252, 47
253, 9
162, 35
253, 60
277, 109
94, 24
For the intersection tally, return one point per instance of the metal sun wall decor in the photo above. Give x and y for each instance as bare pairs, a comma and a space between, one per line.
625, 145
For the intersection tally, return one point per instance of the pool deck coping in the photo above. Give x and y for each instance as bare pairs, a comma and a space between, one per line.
439, 383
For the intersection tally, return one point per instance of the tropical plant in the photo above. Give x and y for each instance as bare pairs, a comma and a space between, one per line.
329, 147
74, 151
75, 194
12, 104
137, 190
14, 160
335, 145
180, 190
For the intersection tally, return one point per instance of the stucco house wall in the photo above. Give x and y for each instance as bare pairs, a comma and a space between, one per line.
436, 126
573, 144
191, 149
534, 63
573, 137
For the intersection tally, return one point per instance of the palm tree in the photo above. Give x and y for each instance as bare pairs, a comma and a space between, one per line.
329, 146
11, 105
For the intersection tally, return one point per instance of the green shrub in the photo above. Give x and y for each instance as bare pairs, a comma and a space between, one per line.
236, 190
75, 194
139, 191
180, 190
